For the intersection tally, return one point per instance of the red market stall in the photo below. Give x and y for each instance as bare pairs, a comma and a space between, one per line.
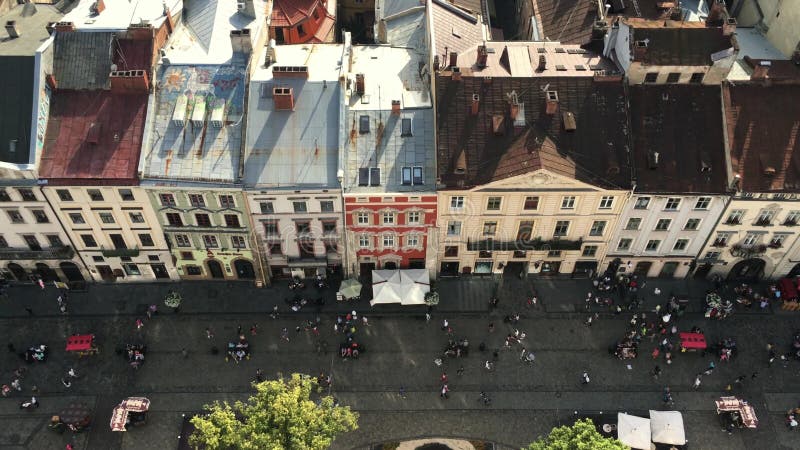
82, 344
693, 341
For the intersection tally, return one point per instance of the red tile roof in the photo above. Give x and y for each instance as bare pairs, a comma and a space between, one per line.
132, 54
114, 121
288, 13
764, 135
569, 22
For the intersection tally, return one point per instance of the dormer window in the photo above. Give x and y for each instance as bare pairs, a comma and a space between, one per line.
363, 124
369, 176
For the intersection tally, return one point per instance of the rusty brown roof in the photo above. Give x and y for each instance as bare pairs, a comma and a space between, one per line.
763, 130
566, 21
682, 124
595, 152
674, 43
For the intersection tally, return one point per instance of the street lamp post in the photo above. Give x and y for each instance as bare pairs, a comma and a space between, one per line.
345, 249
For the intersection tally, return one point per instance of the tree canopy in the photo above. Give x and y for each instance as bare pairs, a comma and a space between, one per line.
580, 436
280, 415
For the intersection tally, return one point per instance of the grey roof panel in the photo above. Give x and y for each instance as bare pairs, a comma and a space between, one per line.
16, 79
82, 60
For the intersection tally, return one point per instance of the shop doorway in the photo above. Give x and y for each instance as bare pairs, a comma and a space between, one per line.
747, 270
642, 268
159, 270
390, 265
18, 272
106, 273
71, 271
668, 269
515, 268
449, 269
365, 271
416, 263
215, 269
702, 271
47, 274
244, 269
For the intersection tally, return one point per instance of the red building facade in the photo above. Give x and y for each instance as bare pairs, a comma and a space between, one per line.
301, 22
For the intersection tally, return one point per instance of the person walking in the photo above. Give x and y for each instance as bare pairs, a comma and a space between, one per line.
16, 384
485, 398
445, 392
71, 373
460, 371
402, 392
209, 333
365, 321
139, 324
443, 378
285, 334
656, 372
710, 369
585, 377
259, 375
667, 397
488, 365
697, 382
427, 317
254, 330
445, 325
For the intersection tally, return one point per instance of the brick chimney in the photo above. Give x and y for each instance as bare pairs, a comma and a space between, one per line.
551, 102
360, 87
290, 72
50, 79
639, 50
396, 107
456, 76
97, 7
483, 55
476, 103
453, 59
11, 28
130, 82
284, 98
729, 27
761, 70
240, 41
716, 13
141, 31
64, 27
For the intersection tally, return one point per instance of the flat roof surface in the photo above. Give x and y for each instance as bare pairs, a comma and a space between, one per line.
405, 22
204, 36
454, 30
521, 59
119, 14
675, 43
390, 73
31, 21
115, 121
16, 79
756, 46
83, 60
299, 147
192, 150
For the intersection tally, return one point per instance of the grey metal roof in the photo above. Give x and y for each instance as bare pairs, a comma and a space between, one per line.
16, 89
82, 60
31, 20
200, 18
294, 148
385, 147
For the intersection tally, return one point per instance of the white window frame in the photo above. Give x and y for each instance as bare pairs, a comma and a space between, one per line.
606, 202
642, 203
735, 217
751, 239
627, 241
685, 243
499, 205
210, 238
560, 223
594, 232
793, 217
364, 240
568, 202
362, 218
414, 217
660, 225
388, 218
493, 224
647, 246
594, 249
412, 240
456, 224
638, 224
702, 203
182, 240
676, 201
389, 240
686, 225
456, 203
778, 239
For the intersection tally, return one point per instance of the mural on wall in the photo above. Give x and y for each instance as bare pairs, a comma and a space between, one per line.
41, 119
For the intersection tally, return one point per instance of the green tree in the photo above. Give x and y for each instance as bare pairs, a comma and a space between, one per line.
580, 436
280, 416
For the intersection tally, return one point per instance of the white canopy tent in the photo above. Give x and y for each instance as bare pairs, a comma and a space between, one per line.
633, 431
404, 286
666, 427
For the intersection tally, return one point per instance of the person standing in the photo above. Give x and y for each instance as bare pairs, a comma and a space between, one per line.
285, 334
139, 324
209, 333
697, 382
445, 325
445, 391
585, 377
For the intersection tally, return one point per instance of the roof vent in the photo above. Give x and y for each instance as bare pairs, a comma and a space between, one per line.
639, 50
569, 121
11, 28
461, 163
729, 27
476, 103
497, 125
97, 7
217, 117
770, 171
93, 136
396, 107
652, 160
179, 114
551, 102
199, 111
288, 71
453, 59
483, 55
456, 74
360, 87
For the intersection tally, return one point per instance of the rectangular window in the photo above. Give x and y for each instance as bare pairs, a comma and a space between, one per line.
624, 244
226, 201
3, 242
598, 227
32, 242
4, 197
275, 248
663, 224
418, 179
568, 202
300, 207
735, 217
363, 241
95, 195
692, 224
680, 245
362, 218
642, 203
651, 77
493, 203
406, 128
562, 228
88, 240
489, 228
146, 240
606, 202
750, 239
118, 241
271, 228
167, 199
232, 220
303, 227
406, 176
182, 240
589, 251
525, 231
203, 220
193, 270
388, 240
363, 124
197, 200
40, 216
451, 251
363, 176
554, 253
792, 218
238, 242
456, 203
412, 240
64, 195
15, 216
301, 31
712, 255
210, 241
633, 223
174, 219
330, 246
27, 194
131, 269
454, 228
388, 218
136, 217
652, 245
126, 195
777, 240
697, 77
189, 256
329, 227
106, 217
765, 218
673, 203
76, 218
266, 208
531, 204
374, 176
54, 240
722, 239
673, 77
413, 217
702, 203
326, 206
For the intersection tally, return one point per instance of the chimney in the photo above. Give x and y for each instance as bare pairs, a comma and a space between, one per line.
652, 160
542, 63
513, 108
461, 163
240, 41
436, 63
93, 135
761, 70
715, 13
360, 88
483, 55
396, 107
11, 28
456, 74
97, 7
271, 57
130, 82
476, 103
639, 50
551, 102
290, 72
50, 27
453, 59
284, 98
64, 27
729, 27
170, 21
50, 79
246, 8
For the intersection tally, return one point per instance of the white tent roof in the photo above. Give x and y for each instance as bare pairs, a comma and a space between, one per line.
666, 427
380, 276
633, 431
385, 293
407, 286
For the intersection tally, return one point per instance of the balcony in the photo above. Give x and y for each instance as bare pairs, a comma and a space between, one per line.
720, 243
522, 245
747, 251
21, 254
120, 252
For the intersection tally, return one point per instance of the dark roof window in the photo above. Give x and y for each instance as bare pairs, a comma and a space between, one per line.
363, 124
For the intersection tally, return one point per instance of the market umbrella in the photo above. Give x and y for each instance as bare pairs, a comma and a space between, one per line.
666, 427
77, 414
173, 299
633, 431
350, 288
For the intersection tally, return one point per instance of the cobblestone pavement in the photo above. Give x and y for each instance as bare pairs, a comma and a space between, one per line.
527, 400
